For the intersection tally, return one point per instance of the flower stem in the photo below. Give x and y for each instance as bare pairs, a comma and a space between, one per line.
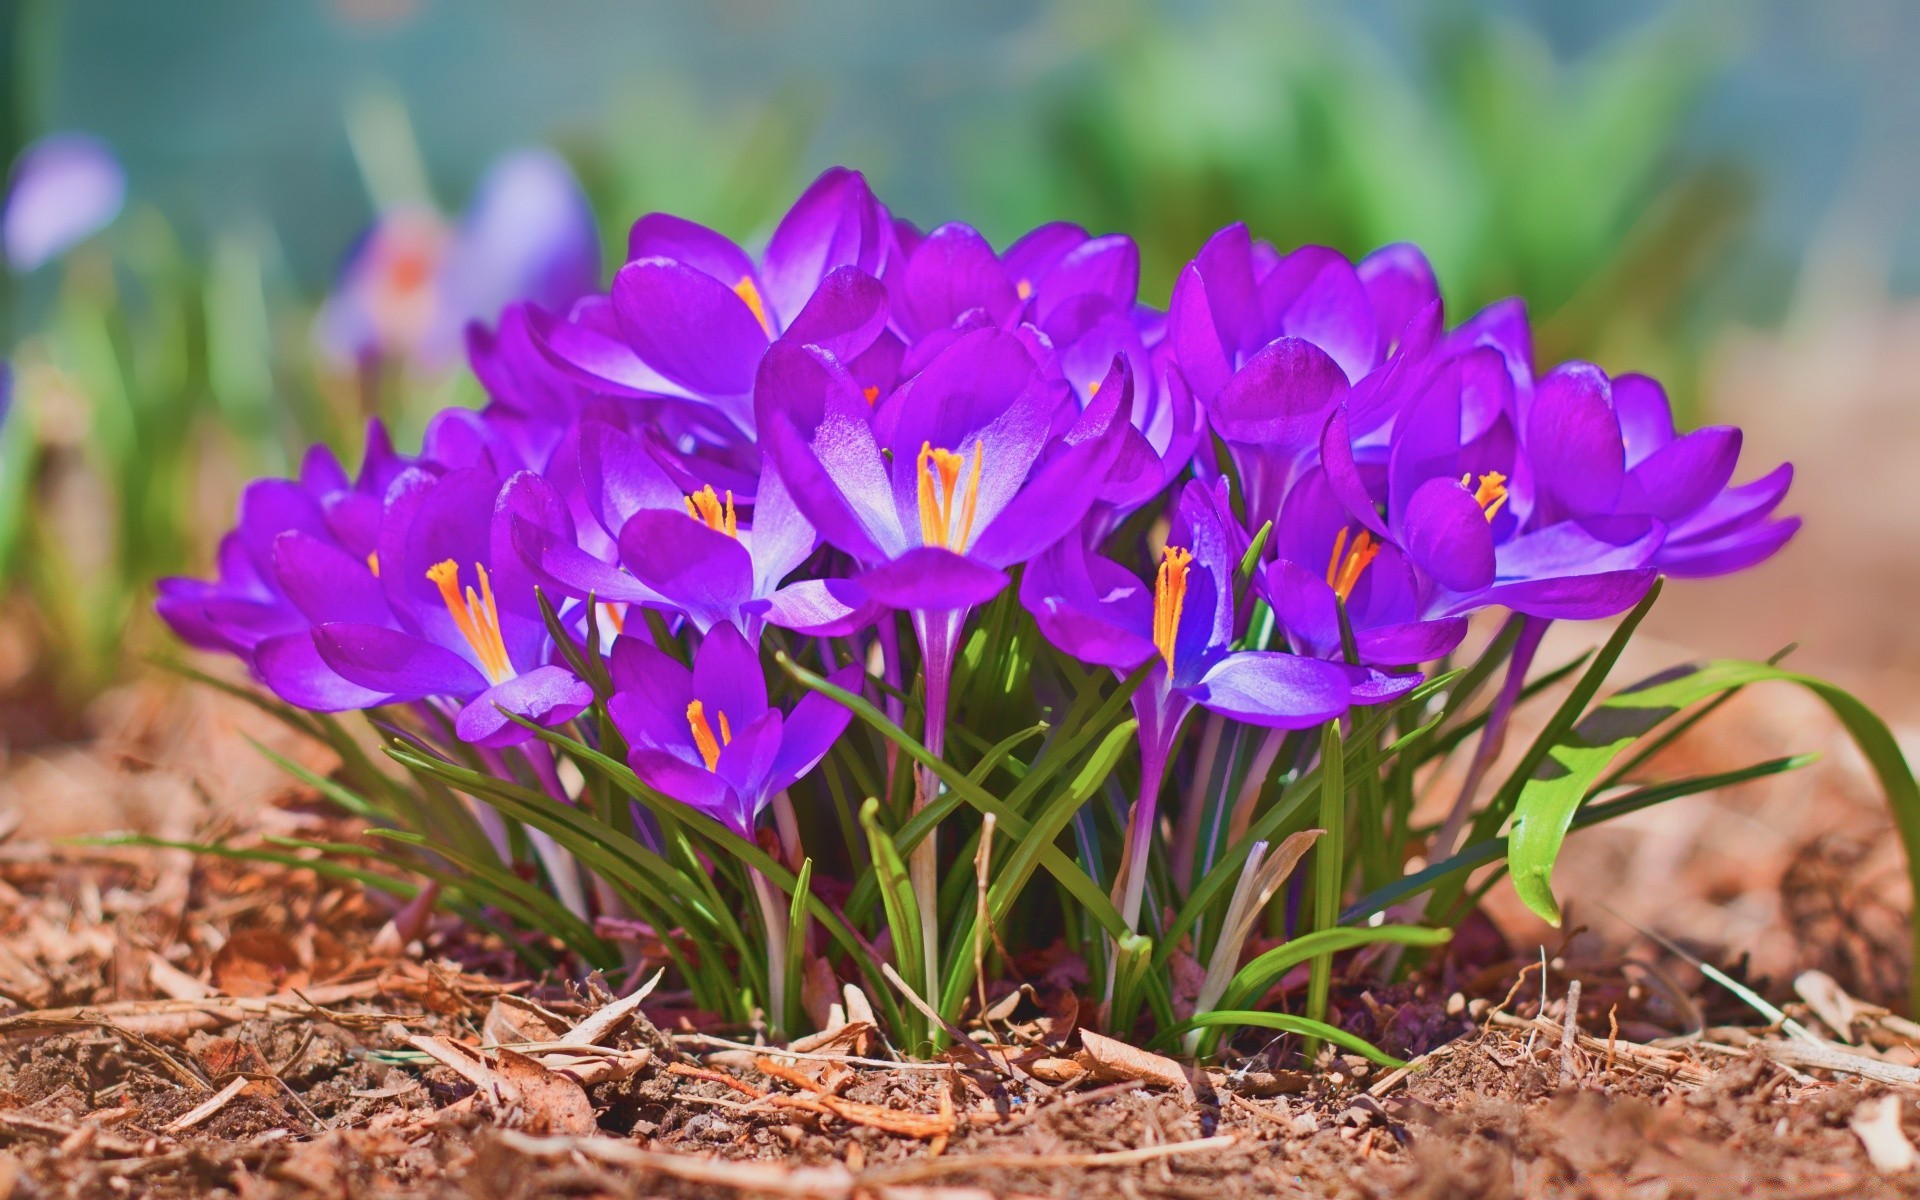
1493, 738
1329, 869
939, 634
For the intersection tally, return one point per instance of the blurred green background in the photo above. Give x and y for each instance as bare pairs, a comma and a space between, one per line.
1647, 174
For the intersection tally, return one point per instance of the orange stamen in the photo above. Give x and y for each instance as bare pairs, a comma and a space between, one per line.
871, 392
936, 497
1169, 599
746, 290
1346, 565
1490, 494
476, 617
703, 739
704, 506
373, 563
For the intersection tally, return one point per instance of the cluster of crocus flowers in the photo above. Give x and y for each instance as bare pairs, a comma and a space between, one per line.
863, 429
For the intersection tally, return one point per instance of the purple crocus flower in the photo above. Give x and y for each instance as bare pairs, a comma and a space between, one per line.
1271, 343
260, 606
689, 552
63, 189
452, 613
707, 737
1606, 451
1322, 564
1457, 497
411, 286
1101, 613
691, 313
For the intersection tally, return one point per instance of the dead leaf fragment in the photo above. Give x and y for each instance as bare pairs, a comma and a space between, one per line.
550, 1102
1877, 1123
1112, 1060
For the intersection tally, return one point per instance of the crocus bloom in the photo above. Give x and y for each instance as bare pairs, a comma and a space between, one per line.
63, 189
1457, 498
1322, 563
1100, 612
1606, 451
464, 623
412, 284
691, 313
707, 737
262, 606
689, 553
1270, 343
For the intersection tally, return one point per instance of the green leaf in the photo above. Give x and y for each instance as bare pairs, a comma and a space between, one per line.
1285, 1023
903, 915
1252, 981
1481, 853
797, 943
1555, 789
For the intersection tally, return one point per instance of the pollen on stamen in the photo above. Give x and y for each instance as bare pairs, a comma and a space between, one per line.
939, 482
1491, 492
1169, 600
702, 730
1346, 565
750, 293
705, 506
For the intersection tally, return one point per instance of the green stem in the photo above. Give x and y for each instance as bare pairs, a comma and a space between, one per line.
1329, 870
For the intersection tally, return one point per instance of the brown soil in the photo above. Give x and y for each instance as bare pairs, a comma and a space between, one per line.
109, 1089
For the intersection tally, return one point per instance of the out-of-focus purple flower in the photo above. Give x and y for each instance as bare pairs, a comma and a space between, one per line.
259, 605
6, 391
1271, 343
63, 189
691, 313
1101, 613
412, 284
707, 737
1606, 451
452, 612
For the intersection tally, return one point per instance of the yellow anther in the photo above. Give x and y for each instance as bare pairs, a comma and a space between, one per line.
1490, 494
703, 739
705, 506
1024, 289
1093, 389
477, 617
1169, 599
373, 562
746, 290
939, 482
1346, 565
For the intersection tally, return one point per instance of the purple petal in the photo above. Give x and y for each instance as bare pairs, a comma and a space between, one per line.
1646, 419
836, 222
727, 678
1281, 397
822, 607
1571, 597
811, 729
1104, 266
1315, 294
651, 694
620, 477
929, 579
63, 188
292, 667
1726, 554
844, 316
528, 235
564, 569
590, 346
388, 660
1343, 473
1573, 440
1446, 533
689, 326
663, 235
545, 695
1681, 477
701, 571
952, 271
326, 583
1274, 690
1737, 507
1400, 286
692, 785
1410, 642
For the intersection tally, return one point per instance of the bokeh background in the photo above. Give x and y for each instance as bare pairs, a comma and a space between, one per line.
1724, 194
